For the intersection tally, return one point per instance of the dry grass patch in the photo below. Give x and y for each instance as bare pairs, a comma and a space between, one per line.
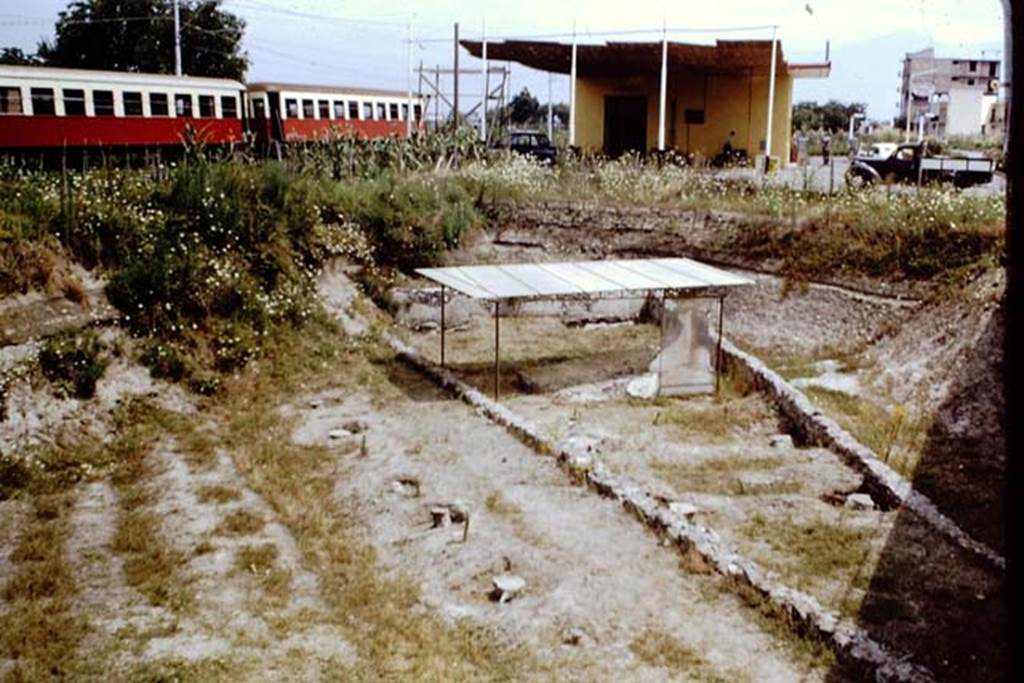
241, 523
151, 564
218, 494
659, 649
382, 617
719, 475
894, 435
39, 629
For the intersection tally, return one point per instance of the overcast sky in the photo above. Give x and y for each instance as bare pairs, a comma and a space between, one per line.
363, 42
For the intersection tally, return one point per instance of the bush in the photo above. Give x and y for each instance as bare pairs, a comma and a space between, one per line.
74, 362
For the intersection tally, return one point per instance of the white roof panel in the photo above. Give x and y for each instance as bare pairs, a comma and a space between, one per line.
526, 280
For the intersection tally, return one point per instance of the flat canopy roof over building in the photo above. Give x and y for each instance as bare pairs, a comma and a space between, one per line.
625, 59
532, 280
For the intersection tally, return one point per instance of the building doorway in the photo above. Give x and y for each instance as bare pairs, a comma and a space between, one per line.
625, 124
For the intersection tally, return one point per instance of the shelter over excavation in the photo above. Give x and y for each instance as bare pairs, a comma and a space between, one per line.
673, 279
711, 90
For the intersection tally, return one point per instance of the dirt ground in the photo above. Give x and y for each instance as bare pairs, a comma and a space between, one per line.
779, 504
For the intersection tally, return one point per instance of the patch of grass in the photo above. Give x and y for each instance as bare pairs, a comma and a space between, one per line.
809, 553
241, 523
218, 494
39, 628
894, 435
256, 559
659, 649
718, 475
151, 564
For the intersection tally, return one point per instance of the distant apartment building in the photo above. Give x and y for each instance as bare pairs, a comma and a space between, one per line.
959, 96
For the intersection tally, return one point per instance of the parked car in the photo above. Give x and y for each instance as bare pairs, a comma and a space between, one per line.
532, 144
910, 163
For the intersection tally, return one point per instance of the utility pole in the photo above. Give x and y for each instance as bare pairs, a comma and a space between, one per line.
408, 82
177, 40
455, 76
663, 86
572, 90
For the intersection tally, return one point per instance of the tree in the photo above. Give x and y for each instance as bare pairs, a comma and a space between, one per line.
138, 35
833, 115
15, 56
524, 108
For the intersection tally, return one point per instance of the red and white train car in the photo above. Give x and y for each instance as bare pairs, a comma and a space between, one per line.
293, 113
45, 108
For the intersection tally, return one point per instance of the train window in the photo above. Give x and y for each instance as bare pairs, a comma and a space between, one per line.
381, 111
339, 110
325, 109
259, 108
132, 103
308, 110
158, 104
206, 106
10, 101
417, 112
405, 112
102, 103
367, 111
42, 102
353, 110
393, 113
74, 102
228, 107
182, 105
291, 108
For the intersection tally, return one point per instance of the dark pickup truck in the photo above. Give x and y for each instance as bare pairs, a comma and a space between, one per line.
909, 163
529, 143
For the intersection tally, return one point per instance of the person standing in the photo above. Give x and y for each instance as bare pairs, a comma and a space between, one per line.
826, 148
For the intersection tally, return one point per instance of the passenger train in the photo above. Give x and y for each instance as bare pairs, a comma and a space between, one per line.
43, 109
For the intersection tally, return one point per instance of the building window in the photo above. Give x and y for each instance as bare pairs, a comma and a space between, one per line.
102, 103
339, 110
992, 69
970, 81
405, 112
259, 108
324, 108
393, 112
353, 110
417, 111
381, 111
367, 111
132, 103
206, 106
291, 108
228, 107
183, 105
10, 100
308, 110
42, 102
974, 66
158, 104
694, 117
74, 102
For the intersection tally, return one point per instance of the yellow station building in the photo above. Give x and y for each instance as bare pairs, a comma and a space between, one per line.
711, 91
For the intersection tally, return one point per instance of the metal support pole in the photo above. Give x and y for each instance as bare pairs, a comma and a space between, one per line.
718, 349
664, 87
177, 40
455, 96
771, 102
661, 340
497, 350
572, 91
443, 294
483, 103
551, 120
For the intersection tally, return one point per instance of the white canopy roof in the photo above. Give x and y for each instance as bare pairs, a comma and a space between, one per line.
526, 280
